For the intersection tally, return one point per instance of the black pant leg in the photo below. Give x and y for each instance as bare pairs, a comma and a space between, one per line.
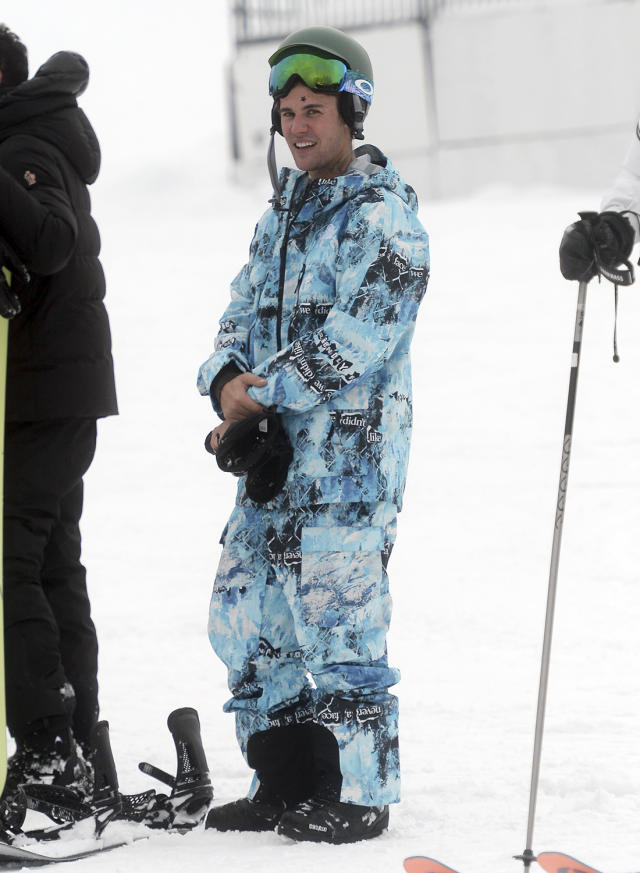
65, 586
44, 462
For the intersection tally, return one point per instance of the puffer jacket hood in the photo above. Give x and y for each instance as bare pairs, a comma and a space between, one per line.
46, 107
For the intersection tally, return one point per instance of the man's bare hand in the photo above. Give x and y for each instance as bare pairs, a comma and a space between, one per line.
234, 400
216, 435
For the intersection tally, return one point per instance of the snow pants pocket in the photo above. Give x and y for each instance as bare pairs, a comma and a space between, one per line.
343, 594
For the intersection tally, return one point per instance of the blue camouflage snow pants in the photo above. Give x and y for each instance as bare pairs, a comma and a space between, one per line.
299, 615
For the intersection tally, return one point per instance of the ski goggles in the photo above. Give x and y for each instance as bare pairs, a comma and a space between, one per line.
319, 74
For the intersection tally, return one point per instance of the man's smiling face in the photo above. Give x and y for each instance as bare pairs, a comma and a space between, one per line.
315, 132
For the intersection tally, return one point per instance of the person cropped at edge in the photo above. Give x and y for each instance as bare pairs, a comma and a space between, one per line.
59, 382
318, 332
601, 242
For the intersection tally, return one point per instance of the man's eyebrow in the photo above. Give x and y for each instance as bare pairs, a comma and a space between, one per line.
304, 106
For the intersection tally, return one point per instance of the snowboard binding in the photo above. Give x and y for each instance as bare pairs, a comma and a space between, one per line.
191, 789
66, 806
182, 810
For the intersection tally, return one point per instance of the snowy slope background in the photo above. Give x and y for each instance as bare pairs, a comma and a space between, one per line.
469, 572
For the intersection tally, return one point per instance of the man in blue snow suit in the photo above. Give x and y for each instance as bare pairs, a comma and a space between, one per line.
318, 331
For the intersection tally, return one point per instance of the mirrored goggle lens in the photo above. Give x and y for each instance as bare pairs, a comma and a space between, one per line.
319, 74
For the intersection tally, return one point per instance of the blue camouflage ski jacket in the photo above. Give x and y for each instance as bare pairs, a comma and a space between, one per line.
325, 311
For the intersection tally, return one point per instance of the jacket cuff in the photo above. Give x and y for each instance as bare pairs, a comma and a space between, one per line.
226, 374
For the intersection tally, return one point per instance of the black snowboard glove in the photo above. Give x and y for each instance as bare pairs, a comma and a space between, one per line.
258, 447
599, 242
13, 276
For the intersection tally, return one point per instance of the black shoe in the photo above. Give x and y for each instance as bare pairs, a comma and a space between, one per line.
329, 821
245, 815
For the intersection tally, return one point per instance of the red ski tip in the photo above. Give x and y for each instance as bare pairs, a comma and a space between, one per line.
420, 864
556, 862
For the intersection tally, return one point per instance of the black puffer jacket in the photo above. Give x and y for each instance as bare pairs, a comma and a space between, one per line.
60, 363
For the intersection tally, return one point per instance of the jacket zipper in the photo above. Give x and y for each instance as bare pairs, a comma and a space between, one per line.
297, 306
283, 268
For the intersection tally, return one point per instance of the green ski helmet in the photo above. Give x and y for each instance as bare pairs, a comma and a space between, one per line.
334, 63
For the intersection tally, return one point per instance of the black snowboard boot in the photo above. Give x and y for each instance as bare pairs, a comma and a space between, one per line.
13, 810
48, 758
322, 818
66, 802
328, 821
281, 758
260, 813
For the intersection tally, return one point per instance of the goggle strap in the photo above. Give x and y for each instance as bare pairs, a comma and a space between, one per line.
356, 84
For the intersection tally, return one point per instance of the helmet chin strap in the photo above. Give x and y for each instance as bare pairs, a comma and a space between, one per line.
276, 199
359, 112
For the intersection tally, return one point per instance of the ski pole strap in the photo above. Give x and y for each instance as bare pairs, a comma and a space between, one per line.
622, 275
616, 356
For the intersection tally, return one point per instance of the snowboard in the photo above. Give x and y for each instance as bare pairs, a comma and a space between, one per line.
9, 307
556, 862
12, 855
420, 864
4, 336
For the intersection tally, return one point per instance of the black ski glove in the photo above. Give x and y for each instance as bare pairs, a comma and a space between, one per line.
598, 241
258, 447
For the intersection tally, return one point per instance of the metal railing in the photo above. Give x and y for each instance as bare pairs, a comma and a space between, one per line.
257, 20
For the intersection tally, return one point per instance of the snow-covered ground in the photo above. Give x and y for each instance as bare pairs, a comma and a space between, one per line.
470, 569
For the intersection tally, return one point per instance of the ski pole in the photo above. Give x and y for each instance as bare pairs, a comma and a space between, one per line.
527, 856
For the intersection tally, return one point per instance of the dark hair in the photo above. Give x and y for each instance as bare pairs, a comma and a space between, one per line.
14, 64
